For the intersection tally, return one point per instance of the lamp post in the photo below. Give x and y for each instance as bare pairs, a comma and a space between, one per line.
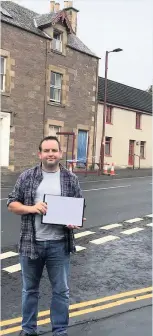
102, 149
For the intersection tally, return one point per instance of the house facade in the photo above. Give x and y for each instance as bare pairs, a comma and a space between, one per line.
128, 133
49, 82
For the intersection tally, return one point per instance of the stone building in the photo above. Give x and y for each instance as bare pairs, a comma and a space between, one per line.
49, 81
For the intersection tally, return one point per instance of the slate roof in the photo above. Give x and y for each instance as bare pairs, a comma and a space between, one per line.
29, 20
125, 96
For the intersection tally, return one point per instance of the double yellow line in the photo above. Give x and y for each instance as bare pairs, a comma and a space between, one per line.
93, 306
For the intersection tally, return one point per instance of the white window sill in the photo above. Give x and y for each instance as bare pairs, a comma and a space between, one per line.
55, 104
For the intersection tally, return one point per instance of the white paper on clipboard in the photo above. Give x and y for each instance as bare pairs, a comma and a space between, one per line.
63, 210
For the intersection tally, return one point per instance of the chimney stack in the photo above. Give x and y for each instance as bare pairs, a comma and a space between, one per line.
65, 4
52, 6
57, 7
72, 14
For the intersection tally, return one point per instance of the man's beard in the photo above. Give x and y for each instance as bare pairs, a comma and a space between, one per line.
50, 164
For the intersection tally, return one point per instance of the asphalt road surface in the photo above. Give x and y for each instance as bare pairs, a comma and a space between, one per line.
114, 258
107, 202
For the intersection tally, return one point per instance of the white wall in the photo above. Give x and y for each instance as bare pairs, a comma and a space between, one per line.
122, 130
4, 138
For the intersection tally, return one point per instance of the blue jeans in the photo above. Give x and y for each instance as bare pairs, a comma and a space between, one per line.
53, 255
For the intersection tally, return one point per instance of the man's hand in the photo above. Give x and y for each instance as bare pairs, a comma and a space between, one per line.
75, 226
39, 208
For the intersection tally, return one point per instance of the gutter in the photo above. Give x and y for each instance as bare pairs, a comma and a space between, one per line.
125, 108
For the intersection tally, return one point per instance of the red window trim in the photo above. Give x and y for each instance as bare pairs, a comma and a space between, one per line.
138, 121
110, 146
109, 115
143, 144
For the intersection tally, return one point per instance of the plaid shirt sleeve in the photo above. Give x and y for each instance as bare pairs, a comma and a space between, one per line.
17, 194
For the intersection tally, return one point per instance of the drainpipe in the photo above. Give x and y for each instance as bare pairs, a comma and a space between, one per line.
45, 88
95, 118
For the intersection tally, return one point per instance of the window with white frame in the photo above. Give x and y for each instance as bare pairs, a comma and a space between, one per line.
53, 130
56, 87
57, 41
4, 138
3, 73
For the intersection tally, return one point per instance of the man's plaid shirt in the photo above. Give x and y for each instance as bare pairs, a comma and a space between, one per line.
25, 190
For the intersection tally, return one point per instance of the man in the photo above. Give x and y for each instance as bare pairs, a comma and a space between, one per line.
42, 244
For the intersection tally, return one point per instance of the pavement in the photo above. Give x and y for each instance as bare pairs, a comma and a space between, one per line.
132, 323
111, 277
9, 180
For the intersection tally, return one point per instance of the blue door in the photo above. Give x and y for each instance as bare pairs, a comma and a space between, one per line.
82, 146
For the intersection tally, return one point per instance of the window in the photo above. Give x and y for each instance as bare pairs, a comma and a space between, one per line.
5, 121
55, 87
142, 149
138, 121
109, 115
108, 142
3, 73
53, 130
57, 41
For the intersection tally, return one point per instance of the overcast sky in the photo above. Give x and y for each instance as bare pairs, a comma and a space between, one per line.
108, 24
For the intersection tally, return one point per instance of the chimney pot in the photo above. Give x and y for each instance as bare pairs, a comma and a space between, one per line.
57, 7
65, 4
52, 6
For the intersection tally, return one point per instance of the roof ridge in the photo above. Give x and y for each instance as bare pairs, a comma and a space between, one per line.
110, 80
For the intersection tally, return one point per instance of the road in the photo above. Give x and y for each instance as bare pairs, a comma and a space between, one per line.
107, 202
113, 258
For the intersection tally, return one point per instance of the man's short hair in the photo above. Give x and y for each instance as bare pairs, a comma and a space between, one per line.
50, 137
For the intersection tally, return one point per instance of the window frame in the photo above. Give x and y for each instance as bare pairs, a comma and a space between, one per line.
138, 121
3, 74
110, 146
60, 34
55, 126
143, 145
55, 87
109, 115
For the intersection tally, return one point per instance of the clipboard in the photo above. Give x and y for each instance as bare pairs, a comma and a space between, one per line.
63, 210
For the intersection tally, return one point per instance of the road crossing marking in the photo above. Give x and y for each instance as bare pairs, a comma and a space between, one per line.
131, 231
110, 226
104, 240
8, 254
134, 220
80, 248
83, 234
12, 269
150, 224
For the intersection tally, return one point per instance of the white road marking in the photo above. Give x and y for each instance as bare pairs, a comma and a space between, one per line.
150, 216
134, 220
7, 255
104, 240
12, 269
83, 234
80, 248
150, 224
131, 231
110, 226
119, 179
117, 187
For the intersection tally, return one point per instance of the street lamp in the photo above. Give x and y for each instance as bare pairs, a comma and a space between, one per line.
102, 149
